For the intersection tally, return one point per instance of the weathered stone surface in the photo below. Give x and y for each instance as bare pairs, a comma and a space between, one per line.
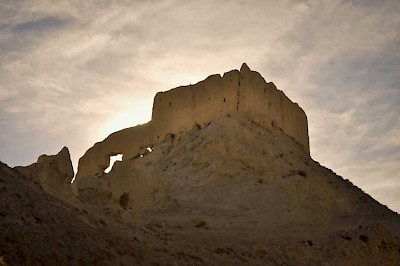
240, 153
53, 172
183, 108
237, 189
38, 229
242, 180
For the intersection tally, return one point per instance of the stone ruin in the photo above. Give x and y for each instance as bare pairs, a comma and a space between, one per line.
52, 172
194, 106
176, 111
247, 170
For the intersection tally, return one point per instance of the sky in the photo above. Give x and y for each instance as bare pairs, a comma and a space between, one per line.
72, 72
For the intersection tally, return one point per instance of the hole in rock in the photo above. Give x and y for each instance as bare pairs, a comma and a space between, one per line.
144, 152
113, 159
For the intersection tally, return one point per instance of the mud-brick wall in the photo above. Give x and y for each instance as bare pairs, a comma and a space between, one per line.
127, 141
185, 107
259, 96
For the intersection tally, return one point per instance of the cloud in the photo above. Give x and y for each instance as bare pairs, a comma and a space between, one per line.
72, 72
40, 25
342, 67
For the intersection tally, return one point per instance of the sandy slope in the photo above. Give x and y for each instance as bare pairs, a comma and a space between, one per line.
236, 192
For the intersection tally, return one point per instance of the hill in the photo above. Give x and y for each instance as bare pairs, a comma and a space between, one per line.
231, 191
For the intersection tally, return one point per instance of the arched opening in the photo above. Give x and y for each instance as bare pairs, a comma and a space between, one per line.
113, 159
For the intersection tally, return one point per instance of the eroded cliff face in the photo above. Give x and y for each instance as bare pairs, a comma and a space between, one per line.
37, 228
240, 189
190, 107
237, 165
52, 172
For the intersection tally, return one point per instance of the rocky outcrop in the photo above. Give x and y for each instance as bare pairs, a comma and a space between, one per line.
52, 172
194, 106
37, 228
253, 169
237, 186
249, 193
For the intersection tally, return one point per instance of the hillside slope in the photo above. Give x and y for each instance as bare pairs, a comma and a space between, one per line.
248, 184
37, 228
235, 192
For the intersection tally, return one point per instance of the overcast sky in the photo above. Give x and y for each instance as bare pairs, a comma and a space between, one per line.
72, 72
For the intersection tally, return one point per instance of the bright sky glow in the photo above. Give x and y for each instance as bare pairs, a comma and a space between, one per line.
113, 159
138, 114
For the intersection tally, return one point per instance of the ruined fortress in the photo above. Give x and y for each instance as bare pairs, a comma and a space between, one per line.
194, 106
221, 175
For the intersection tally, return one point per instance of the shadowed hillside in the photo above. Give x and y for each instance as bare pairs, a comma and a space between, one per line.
237, 189
214, 196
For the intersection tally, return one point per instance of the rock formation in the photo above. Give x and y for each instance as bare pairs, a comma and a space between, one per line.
54, 173
37, 228
184, 108
221, 175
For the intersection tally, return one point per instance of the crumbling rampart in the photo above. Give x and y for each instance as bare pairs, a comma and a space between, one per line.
186, 107
52, 172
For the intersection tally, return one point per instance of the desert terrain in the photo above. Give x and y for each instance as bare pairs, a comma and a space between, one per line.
225, 178
213, 196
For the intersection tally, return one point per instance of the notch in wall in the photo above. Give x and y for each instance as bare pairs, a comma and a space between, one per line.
113, 159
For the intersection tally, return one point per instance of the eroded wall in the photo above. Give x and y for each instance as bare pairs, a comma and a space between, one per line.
259, 96
186, 107
128, 141
52, 172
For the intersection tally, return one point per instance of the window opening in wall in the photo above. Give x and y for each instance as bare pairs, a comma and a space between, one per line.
224, 100
113, 159
144, 152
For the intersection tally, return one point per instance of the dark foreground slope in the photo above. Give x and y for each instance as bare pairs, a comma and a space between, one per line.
39, 229
236, 192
